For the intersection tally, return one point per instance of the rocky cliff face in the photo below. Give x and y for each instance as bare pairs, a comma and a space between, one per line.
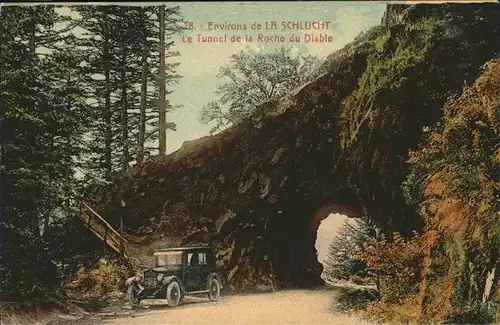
259, 190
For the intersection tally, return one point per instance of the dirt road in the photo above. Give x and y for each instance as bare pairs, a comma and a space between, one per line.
284, 307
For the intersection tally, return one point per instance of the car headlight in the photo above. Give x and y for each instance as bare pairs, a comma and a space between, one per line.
159, 277
138, 277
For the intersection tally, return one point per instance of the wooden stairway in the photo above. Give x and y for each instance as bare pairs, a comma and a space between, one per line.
103, 230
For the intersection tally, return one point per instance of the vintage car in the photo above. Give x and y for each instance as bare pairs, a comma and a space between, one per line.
177, 272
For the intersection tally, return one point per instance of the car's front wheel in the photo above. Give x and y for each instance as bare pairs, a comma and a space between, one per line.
173, 294
214, 289
132, 294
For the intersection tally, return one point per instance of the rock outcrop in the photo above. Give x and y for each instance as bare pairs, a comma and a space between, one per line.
258, 190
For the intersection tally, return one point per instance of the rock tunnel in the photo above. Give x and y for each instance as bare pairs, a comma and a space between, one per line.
277, 240
293, 247
259, 190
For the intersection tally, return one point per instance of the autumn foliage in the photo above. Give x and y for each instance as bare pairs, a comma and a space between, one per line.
440, 275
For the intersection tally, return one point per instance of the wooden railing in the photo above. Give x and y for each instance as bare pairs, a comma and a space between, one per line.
103, 230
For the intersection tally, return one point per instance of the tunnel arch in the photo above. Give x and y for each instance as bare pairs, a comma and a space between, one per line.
292, 245
329, 228
324, 212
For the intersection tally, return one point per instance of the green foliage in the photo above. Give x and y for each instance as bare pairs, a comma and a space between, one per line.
41, 131
23, 261
252, 79
380, 43
397, 50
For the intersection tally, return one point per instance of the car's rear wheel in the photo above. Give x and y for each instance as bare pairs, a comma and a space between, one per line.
173, 294
214, 289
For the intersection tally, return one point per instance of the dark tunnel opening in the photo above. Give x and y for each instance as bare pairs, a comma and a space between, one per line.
293, 252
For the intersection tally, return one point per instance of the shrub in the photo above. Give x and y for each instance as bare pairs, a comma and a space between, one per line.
396, 264
104, 277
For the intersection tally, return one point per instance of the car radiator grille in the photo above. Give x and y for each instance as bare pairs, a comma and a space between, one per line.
150, 279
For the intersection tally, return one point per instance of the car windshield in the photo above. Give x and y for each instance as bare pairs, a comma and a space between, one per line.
168, 259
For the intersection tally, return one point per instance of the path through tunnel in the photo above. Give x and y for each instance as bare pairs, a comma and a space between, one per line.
293, 248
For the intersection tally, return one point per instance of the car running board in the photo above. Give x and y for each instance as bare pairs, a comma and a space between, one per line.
195, 292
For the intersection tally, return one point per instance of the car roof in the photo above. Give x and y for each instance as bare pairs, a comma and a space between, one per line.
179, 249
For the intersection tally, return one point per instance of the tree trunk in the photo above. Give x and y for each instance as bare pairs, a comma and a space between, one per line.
2, 155
122, 247
67, 175
126, 153
34, 224
108, 136
163, 128
144, 87
47, 214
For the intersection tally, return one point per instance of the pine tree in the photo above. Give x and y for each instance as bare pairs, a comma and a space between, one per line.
342, 261
143, 33
173, 25
41, 120
99, 42
125, 84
